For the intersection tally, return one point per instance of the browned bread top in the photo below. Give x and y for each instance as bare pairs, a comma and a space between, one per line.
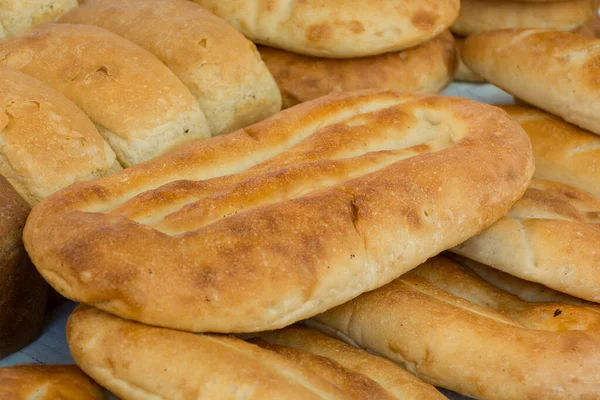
455, 330
337, 28
47, 382
284, 219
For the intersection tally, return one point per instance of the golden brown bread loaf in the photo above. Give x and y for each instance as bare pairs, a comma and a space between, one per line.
556, 71
337, 28
18, 16
563, 152
22, 289
139, 106
136, 361
427, 68
455, 330
274, 223
396, 381
47, 142
47, 382
464, 73
477, 15
550, 236
218, 65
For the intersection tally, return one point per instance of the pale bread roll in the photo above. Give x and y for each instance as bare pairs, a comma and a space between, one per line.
140, 362
455, 330
47, 142
556, 71
218, 65
396, 381
478, 16
563, 152
139, 106
464, 73
427, 68
47, 382
18, 16
337, 28
22, 289
550, 236
272, 224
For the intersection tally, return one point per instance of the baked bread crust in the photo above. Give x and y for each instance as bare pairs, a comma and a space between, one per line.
47, 382
18, 16
22, 289
477, 15
464, 73
550, 236
138, 105
219, 66
556, 71
455, 330
47, 142
427, 68
337, 28
563, 152
395, 380
304, 211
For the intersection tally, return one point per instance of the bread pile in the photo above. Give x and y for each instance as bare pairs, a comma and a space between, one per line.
364, 243
489, 15
314, 49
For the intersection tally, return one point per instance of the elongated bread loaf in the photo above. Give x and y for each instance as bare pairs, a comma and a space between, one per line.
218, 65
455, 330
337, 28
550, 236
464, 73
282, 220
47, 142
47, 382
477, 15
22, 289
18, 16
139, 106
427, 68
563, 152
136, 361
396, 381
556, 71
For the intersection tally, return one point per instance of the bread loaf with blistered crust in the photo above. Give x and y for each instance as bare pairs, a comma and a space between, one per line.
277, 222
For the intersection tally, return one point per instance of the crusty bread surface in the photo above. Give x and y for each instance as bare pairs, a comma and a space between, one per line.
555, 71
219, 66
47, 141
337, 28
455, 330
18, 16
277, 222
464, 73
427, 68
138, 105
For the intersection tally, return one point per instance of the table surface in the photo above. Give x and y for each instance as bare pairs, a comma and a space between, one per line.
52, 348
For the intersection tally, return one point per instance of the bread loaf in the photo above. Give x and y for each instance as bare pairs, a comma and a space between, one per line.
550, 236
455, 330
396, 381
563, 152
47, 382
18, 16
478, 16
136, 361
464, 73
47, 142
556, 71
138, 105
427, 68
282, 220
22, 289
337, 28
218, 65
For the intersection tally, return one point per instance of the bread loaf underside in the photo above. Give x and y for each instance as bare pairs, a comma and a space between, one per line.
274, 223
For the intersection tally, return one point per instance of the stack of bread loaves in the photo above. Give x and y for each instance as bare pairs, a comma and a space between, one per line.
487, 15
313, 50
